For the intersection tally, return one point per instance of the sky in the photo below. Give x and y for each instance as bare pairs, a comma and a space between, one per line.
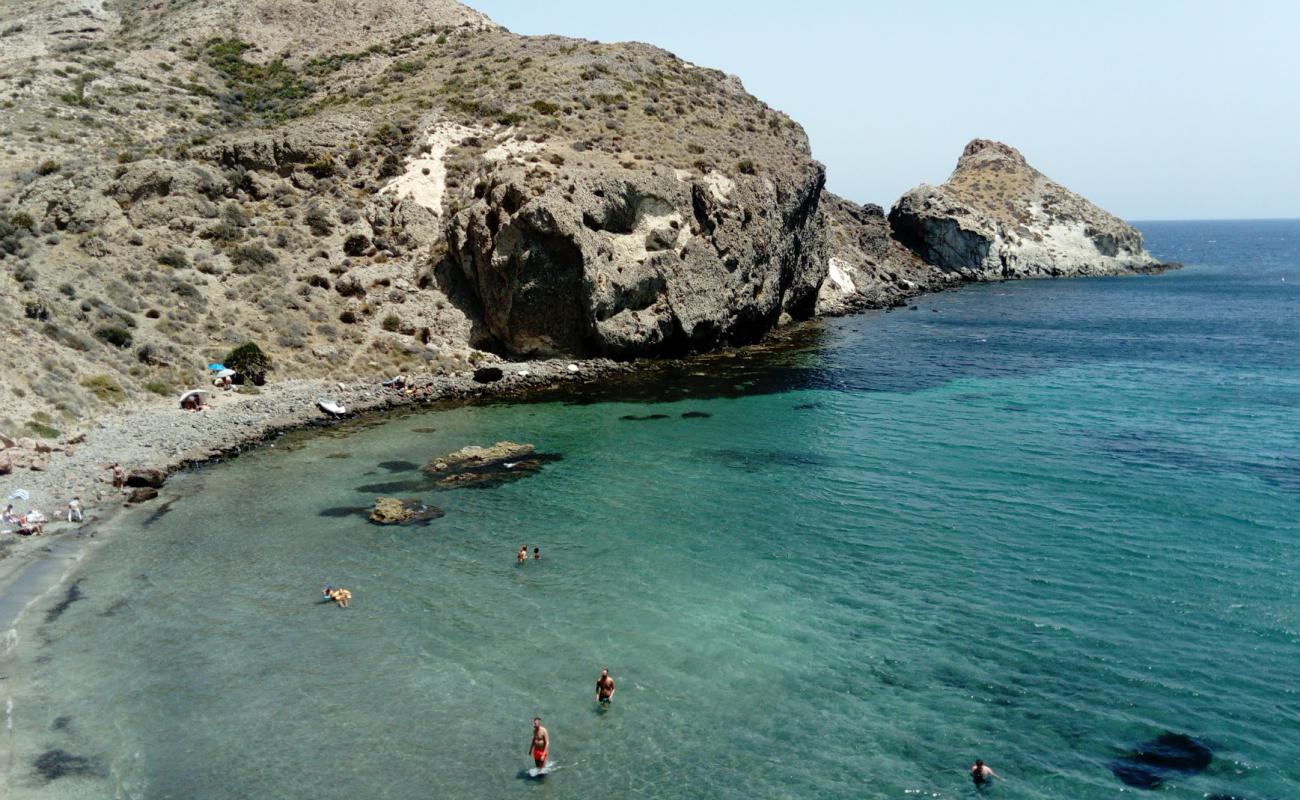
1152, 109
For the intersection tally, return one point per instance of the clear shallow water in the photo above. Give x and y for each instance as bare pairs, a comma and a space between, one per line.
1040, 526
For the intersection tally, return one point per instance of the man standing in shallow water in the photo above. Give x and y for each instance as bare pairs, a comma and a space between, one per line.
540, 747
604, 688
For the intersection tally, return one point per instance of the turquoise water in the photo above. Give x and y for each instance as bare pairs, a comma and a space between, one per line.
1037, 523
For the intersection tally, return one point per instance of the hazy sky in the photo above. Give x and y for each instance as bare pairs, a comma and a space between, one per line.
1154, 109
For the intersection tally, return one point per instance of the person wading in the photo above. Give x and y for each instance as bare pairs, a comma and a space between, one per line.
541, 743
604, 688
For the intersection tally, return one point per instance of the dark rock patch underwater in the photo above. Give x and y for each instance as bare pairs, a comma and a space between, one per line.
1154, 762
59, 763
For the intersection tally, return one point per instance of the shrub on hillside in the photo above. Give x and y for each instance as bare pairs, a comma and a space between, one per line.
250, 362
117, 337
173, 257
248, 257
356, 245
105, 388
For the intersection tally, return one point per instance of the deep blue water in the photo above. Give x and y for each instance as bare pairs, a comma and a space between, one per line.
1041, 523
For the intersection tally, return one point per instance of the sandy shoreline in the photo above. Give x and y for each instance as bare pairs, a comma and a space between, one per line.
164, 437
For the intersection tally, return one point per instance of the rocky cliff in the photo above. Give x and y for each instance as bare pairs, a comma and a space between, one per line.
997, 217
370, 187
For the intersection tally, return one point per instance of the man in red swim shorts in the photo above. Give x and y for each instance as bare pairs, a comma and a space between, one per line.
541, 743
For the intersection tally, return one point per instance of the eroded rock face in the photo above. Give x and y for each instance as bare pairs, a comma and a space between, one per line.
638, 262
997, 217
866, 266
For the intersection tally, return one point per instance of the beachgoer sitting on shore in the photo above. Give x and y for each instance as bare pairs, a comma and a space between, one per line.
9, 517
396, 382
341, 597
74, 510
33, 524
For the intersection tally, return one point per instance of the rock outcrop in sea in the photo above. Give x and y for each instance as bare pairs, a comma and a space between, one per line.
996, 217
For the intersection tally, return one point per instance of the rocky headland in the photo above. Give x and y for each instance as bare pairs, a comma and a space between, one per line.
996, 218
371, 188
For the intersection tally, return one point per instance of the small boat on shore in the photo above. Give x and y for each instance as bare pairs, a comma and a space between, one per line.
331, 407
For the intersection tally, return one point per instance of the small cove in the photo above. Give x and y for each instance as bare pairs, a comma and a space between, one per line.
1039, 523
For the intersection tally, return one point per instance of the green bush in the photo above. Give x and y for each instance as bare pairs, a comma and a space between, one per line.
356, 245
173, 257
746, 167
543, 107
318, 220
249, 361
391, 323
246, 257
48, 167
323, 168
118, 337
105, 388
21, 219
273, 89
390, 167
161, 388
223, 232
44, 431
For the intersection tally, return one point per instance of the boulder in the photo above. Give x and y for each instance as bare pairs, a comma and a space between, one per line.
146, 477
996, 217
392, 511
488, 374
142, 494
39, 463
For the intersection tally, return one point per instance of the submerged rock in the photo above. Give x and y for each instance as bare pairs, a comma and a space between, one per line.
142, 495
72, 595
1152, 763
398, 466
392, 511
997, 217
481, 467
59, 763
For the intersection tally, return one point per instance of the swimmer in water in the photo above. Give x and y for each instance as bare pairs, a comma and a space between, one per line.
604, 688
541, 743
981, 772
523, 554
537, 554
341, 597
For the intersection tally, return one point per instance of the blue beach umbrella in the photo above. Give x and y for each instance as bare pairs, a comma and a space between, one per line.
216, 367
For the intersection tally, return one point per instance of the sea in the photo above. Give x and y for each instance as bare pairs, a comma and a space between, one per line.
1053, 525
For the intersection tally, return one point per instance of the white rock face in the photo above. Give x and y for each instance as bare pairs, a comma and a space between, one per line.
425, 179
997, 217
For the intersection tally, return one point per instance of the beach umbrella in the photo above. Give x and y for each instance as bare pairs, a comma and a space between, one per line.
216, 367
225, 373
191, 393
